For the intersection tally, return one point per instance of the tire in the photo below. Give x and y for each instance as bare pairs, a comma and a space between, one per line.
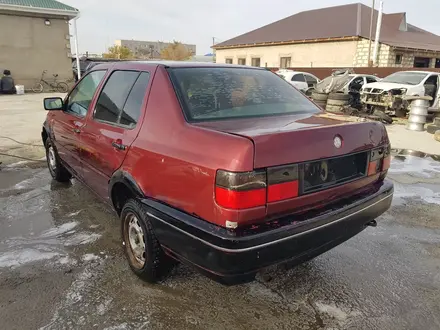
383, 116
322, 104
431, 129
62, 87
37, 88
437, 135
150, 262
310, 91
339, 96
317, 96
400, 113
56, 168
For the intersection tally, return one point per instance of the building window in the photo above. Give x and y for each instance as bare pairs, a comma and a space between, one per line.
241, 61
421, 62
228, 61
285, 62
256, 62
398, 59
437, 62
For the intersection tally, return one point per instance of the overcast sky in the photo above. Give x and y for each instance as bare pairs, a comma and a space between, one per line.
197, 21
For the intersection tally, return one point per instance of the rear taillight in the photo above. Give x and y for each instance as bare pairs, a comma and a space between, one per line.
240, 190
282, 183
380, 159
251, 189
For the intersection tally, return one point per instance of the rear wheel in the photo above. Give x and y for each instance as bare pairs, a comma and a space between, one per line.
37, 88
144, 253
62, 87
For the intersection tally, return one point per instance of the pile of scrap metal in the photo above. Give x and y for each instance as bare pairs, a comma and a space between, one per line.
395, 93
340, 94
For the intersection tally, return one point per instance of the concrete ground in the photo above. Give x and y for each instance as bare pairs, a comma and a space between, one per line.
62, 267
21, 119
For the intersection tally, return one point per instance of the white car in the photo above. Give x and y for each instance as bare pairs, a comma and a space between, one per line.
389, 94
301, 80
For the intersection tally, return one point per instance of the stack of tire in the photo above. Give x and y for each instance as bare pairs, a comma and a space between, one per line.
336, 102
320, 98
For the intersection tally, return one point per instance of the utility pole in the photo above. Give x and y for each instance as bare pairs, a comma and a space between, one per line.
75, 39
376, 39
213, 50
371, 35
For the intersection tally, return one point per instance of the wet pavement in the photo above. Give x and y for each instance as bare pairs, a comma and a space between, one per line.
62, 266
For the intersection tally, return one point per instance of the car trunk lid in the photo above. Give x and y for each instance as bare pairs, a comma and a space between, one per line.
300, 138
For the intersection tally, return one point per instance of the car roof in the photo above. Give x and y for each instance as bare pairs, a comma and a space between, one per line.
293, 71
416, 71
173, 64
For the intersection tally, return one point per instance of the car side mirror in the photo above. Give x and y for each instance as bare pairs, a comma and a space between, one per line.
53, 103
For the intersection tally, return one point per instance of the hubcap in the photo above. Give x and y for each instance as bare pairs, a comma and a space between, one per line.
52, 159
136, 238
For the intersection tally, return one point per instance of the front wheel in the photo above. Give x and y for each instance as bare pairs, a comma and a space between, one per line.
37, 88
56, 169
144, 253
62, 87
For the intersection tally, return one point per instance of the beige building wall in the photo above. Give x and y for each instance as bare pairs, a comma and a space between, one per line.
30, 46
320, 54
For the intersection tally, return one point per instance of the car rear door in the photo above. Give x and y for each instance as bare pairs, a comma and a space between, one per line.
112, 126
67, 124
311, 80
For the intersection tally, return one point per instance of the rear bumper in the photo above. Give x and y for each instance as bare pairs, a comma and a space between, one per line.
234, 257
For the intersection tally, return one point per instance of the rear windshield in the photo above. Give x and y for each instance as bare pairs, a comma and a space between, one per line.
225, 93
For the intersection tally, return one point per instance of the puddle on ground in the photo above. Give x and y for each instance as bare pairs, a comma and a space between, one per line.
34, 225
416, 176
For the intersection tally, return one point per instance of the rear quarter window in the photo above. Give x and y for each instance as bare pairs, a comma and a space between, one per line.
225, 93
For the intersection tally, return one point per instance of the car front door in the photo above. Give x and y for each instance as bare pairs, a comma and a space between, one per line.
112, 127
66, 125
299, 81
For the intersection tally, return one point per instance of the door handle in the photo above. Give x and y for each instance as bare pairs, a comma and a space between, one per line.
76, 130
117, 145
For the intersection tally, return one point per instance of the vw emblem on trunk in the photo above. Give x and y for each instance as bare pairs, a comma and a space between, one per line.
337, 141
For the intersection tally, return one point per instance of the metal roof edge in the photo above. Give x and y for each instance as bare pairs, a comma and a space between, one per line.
39, 10
289, 42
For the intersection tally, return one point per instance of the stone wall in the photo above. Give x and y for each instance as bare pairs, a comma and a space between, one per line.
387, 56
361, 56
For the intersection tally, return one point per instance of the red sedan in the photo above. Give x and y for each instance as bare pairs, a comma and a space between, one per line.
227, 168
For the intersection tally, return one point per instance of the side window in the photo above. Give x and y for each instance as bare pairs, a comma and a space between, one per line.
81, 97
432, 80
298, 77
132, 108
371, 80
113, 95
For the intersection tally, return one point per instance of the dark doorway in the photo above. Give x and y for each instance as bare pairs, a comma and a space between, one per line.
437, 62
421, 62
